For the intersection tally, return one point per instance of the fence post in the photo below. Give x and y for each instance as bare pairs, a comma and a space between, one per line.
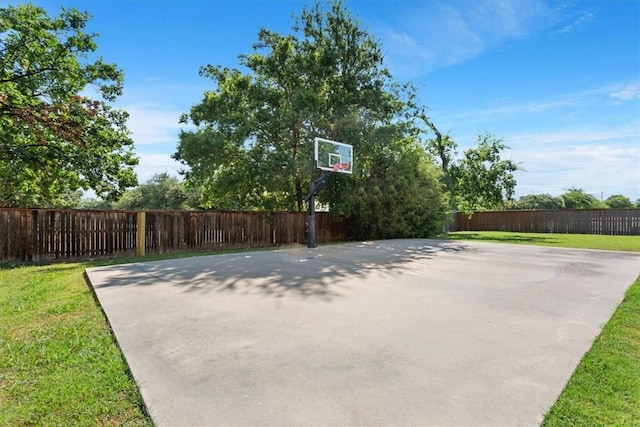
141, 220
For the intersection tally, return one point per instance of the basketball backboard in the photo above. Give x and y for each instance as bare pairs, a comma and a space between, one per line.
333, 156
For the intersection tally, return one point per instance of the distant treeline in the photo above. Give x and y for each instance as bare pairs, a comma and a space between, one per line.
573, 198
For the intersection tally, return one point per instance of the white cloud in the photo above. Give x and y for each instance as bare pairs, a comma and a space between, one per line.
568, 16
569, 102
628, 93
598, 161
585, 136
586, 139
149, 123
155, 163
505, 18
442, 33
514, 108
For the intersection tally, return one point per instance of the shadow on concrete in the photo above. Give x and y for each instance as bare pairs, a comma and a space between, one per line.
304, 272
511, 238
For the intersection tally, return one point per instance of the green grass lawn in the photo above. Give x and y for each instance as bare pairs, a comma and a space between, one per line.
580, 241
60, 365
605, 388
59, 362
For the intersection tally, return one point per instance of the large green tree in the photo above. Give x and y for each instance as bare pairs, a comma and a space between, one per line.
618, 201
161, 192
481, 179
54, 139
577, 198
252, 147
537, 201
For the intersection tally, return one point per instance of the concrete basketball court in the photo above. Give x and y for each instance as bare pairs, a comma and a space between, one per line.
387, 333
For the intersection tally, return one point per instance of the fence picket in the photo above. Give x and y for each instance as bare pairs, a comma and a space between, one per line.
55, 234
571, 221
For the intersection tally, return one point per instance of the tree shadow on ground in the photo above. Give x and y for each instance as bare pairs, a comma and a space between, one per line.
511, 238
318, 272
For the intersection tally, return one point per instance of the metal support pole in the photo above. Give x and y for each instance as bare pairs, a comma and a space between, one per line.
315, 188
311, 221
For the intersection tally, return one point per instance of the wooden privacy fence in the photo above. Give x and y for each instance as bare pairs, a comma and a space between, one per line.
48, 234
572, 221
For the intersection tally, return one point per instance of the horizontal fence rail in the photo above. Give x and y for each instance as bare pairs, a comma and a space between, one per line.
50, 234
571, 221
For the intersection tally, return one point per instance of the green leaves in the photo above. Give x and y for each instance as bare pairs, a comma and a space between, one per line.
618, 201
481, 179
161, 192
312, 83
573, 198
398, 196
484, 180
253, 145
577, 198
537, 201
54, 141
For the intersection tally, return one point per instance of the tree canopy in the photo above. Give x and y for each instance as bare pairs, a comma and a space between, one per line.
252, 147
481, 179
161, 192
484, 180
537, 201
577, 198
573, 198
618, 201
55, 139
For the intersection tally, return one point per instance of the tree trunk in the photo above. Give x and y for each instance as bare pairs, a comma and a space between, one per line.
442, 151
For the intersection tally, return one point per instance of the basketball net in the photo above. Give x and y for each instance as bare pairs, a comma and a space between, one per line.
340, 167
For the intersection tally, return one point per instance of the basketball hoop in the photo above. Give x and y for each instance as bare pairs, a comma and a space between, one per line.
331, 157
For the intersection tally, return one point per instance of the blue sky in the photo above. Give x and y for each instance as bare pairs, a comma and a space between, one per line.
557, 81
